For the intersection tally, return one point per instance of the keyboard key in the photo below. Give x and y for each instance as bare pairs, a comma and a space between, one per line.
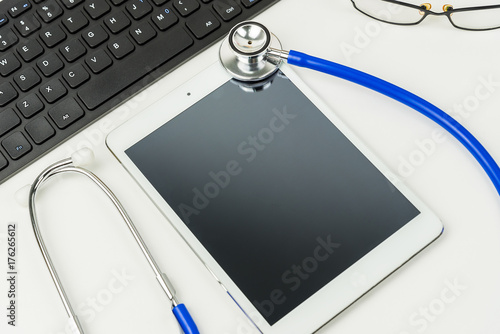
76, 75
3, 162
71, 3
66, 113
159, 2
118, 2
3, 19
227, 9
40, 130
121, 47
52, 35
49, 11
7, 94
75, 22
73, 50
7, 39
139, 8
72, 66
143, 33
202, 24
30, 50
125, 73
249, 3
8, 64
27, 79
19, 8
95, 36
16, 145
164, 18
30, 105
186, 7
96, 9
117, 22
27, 25
50, 64
53, 90
8, 120
98, 61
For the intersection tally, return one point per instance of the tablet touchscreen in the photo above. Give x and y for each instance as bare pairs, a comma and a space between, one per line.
279, 197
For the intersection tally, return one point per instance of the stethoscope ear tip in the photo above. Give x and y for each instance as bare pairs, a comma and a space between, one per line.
22, 196
82, 157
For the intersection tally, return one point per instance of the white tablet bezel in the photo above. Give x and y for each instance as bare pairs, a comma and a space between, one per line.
337, 294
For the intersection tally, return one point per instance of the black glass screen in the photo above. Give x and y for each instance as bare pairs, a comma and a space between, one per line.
281, 199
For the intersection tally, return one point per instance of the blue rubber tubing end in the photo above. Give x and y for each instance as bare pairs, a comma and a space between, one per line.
185, 320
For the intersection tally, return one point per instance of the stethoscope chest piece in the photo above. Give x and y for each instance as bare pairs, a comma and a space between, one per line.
245, 52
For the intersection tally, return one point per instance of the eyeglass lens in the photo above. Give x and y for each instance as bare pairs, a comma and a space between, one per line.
474, 18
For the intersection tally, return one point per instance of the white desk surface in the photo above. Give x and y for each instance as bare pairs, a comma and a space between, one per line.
450, 287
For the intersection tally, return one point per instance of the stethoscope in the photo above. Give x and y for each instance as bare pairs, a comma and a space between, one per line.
74, 165
251, 53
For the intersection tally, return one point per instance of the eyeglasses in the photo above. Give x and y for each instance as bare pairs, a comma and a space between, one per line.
401, 13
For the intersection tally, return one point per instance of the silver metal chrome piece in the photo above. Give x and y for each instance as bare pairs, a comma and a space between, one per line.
66, 166
250, 52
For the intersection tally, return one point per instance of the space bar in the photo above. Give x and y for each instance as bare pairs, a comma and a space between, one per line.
141, 62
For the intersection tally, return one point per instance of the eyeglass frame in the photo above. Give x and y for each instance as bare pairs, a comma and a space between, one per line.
422, 8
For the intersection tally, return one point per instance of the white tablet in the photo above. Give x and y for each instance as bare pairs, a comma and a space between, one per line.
274, 194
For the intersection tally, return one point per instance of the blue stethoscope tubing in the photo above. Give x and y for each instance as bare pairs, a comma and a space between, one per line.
185, 320
399, 94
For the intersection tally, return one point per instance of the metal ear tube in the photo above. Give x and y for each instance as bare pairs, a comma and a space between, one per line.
250, 53
71, 165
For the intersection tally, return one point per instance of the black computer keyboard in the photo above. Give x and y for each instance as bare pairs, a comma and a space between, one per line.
65, 63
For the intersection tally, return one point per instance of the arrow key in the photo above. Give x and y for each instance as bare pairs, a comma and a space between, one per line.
66, 113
